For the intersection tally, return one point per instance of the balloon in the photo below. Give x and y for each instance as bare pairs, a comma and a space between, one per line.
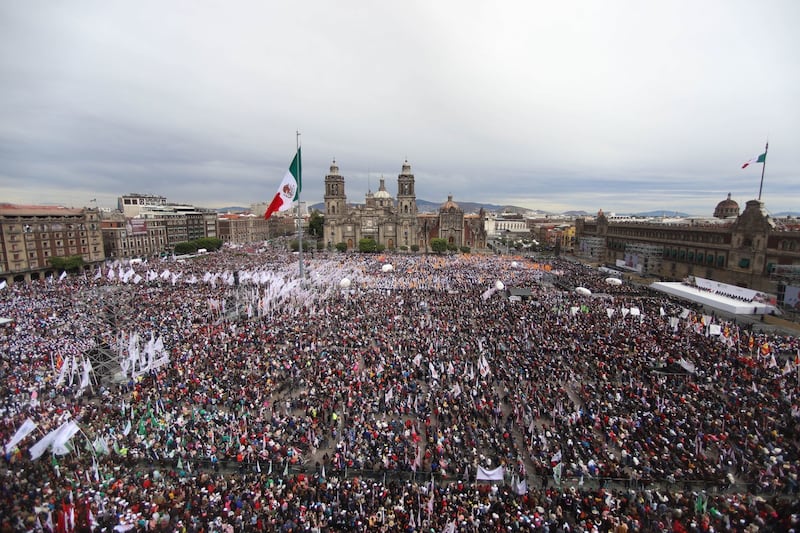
614, 281
345, 283
584, 291
387, 267
499, 285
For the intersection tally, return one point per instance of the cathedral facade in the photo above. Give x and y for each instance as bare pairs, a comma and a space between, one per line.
390, 222
395, 223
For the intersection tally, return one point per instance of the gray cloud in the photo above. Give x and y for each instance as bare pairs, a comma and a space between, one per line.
619, 105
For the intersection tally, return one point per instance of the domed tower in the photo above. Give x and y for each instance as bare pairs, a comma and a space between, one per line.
382, 198
406, 206
726, 208
451, 223
335, 205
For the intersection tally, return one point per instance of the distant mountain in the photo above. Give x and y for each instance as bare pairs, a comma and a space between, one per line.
575, 213
661, 213
787, 214
424, 206
232, 209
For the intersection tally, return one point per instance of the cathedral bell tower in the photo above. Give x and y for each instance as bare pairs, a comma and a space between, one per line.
335, 205
406, 206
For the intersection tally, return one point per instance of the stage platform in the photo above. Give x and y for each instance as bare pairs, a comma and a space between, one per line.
723, 303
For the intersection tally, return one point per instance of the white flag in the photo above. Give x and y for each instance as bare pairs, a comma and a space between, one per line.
63, 436
23, 431
490, 475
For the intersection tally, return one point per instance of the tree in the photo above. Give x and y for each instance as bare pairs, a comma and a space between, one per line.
415, 248
316, 223
465, 249
209, 243
188, 247
438, 245
341, 246
367, 245
71, 263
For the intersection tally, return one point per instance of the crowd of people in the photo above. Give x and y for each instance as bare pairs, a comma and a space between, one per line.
363, 398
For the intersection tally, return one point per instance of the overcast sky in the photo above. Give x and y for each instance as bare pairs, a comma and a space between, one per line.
616, 105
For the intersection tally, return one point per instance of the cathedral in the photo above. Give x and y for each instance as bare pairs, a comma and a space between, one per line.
395, 223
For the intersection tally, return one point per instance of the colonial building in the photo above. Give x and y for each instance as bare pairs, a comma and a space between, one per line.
31, 235
390, 222
745, 249
395, 223
241, 228
125, 238
155, 228
454, 226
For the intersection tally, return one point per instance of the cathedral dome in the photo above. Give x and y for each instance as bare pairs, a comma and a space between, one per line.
382, 192
449, 205
727, 208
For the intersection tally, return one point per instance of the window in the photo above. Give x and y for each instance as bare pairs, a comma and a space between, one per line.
744, 262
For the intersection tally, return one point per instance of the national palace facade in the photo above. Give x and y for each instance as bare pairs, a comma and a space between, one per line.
751, 249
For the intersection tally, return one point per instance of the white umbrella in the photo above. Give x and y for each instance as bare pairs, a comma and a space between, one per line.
345, 283
387, 267
583, 291
499, 285
614, 281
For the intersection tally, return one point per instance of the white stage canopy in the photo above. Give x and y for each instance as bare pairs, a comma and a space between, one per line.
736, 306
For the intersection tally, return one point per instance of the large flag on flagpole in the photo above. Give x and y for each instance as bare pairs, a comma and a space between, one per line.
289, 189
757, 159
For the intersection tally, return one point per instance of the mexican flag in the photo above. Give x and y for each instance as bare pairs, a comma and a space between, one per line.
759, 159
289, 190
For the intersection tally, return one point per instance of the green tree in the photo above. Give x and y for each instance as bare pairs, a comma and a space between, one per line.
209, 243
465, 249
438, 245
341, 246
415, 248
71, 263
380, 248
316, 223
367, 245
189, 247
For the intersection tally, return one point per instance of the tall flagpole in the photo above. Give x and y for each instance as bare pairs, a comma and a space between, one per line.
763, 166
299, 220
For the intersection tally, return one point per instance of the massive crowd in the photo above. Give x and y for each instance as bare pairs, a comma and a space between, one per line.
381, 403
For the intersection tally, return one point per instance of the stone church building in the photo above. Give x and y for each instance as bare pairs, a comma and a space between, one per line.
395, 222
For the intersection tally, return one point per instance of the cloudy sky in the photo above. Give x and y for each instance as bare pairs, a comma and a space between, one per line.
620, 105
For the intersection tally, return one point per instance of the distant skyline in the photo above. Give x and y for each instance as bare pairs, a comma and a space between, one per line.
624, 106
